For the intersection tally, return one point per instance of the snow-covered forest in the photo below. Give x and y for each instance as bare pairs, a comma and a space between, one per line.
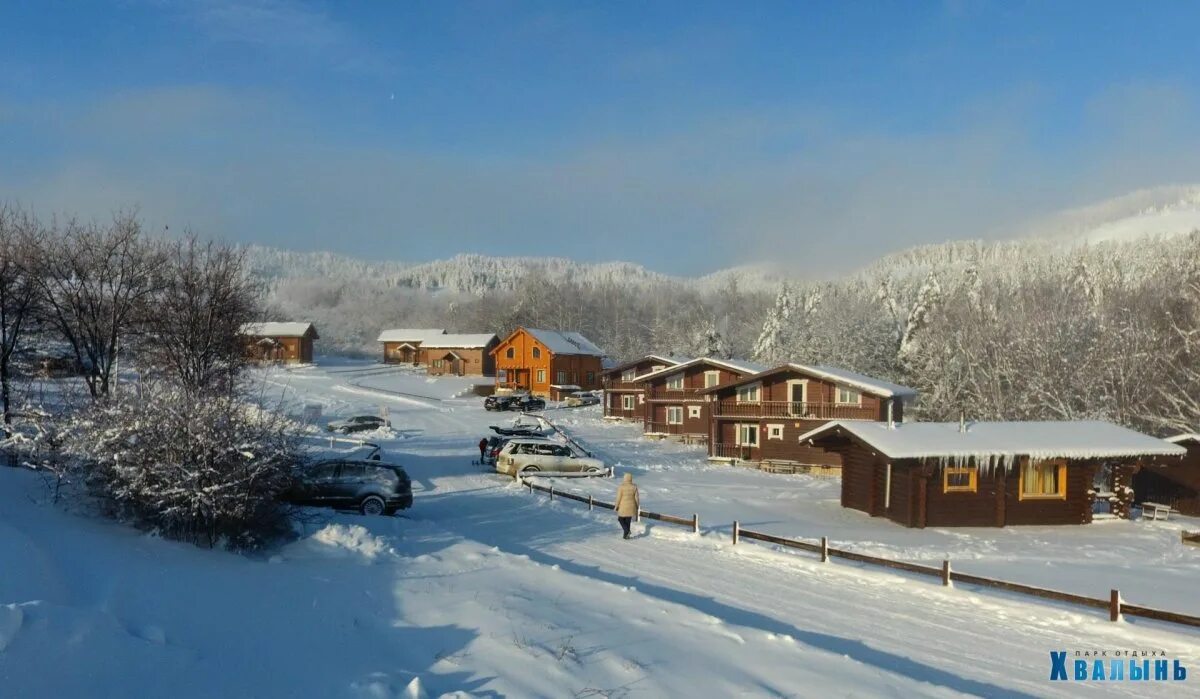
1016, 330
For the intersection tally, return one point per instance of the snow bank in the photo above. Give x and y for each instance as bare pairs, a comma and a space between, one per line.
343, 541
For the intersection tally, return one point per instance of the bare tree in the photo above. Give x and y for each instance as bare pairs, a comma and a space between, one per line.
207, 295
19, 294
96, 282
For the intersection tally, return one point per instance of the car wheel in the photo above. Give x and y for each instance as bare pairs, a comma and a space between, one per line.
373, 505
593, 469
530, 469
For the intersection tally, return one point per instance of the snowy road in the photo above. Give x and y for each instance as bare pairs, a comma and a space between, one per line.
490, 591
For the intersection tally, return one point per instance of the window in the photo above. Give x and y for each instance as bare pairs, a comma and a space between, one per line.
627, 402
502, 376
674, 415
848, 396
629, 375
511, 353
591, 378
694, 412
353, 472
437, 363
562, 378
641, 398
711, 378
960, 479
774, 431
797, 394
1043, 479
537, 352
658, 367
748, 394
675, 382
541, 376
747, 435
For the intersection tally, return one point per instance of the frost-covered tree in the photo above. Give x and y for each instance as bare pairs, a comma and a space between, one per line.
773, 344
20, 294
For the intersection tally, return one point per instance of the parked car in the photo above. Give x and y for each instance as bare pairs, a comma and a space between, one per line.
371, 487
523, 402
525, 455
519, 430
528, 404
358, 423
582, 398
494, 444
499, 402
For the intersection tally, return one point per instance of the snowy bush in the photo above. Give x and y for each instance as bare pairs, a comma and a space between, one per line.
207, 470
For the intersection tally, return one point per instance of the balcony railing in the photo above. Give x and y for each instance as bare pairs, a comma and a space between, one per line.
741, 452
799, 411
674, 393
669, 428
619, 385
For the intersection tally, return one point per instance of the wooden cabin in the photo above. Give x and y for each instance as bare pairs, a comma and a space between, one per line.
624, 399
280, 342
547, 362
406, 345
759, 418
675, 402
1171, 481
981, 474
460, 355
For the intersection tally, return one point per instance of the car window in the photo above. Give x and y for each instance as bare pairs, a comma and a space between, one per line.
562, 451
321, 471
353, 471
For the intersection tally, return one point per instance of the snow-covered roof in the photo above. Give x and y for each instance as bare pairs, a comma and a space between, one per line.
1186, 437
1002, 442
278, 329
668, 359
741, 366
410, 334
565, 342
836, 375
460, 341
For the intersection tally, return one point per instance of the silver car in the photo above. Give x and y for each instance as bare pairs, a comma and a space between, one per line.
528, 455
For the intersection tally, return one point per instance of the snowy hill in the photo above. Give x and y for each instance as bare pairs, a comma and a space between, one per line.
1161, 211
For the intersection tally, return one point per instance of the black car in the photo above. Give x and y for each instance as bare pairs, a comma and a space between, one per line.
371, 487
359, 423
499, 402
529, 403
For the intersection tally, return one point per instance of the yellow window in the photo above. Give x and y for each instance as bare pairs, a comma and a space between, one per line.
1043, 479
960, 479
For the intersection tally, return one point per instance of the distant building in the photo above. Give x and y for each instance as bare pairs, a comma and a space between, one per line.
623, 398
460, 355
1170, 481
405, 345
547, 362
675, 401
286, 342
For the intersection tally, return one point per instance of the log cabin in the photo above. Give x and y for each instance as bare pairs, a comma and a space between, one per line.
759, 418
624, 399
675, 402
1172, 482
549, 363
460, 355
981, 474
404, 345
280, 342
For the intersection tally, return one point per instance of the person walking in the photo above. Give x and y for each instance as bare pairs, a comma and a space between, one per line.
627, 504
483, 445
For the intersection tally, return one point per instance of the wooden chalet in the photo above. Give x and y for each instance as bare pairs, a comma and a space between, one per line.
1172, 482
759, 418
460, 355
547, 362
623, 398
675, 402
982, 474
406, 345
280, 342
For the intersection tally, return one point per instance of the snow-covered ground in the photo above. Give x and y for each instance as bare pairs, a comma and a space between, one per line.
486, 590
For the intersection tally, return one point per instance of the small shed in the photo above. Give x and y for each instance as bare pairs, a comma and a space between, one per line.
1172, 482
283, 342
407, 345
983, 474
460, 355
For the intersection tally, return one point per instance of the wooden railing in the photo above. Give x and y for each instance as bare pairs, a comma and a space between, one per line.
674, 393
732, 451
669, 428
801, 411
619, 385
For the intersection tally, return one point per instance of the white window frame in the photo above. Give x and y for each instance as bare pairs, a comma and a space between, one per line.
744, 428
629, 375
694, 412
628, 402
562, 378
775, 431
756, 388
715, 375
675, 382
641, 398
837, 396
541, 376
676, 412
657, 367
804, 393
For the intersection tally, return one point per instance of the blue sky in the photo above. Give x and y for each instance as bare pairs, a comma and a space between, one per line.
683, 136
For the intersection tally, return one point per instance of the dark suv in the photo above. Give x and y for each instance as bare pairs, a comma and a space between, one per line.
499, 402
371, 487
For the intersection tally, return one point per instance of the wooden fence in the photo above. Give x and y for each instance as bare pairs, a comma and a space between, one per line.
1114, 604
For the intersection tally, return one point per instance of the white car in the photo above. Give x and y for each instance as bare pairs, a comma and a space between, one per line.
527, 455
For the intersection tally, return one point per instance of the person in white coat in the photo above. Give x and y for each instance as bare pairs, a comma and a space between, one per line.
628, 503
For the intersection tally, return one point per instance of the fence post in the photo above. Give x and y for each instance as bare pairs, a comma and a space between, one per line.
946, 573
551, 492
695, 523
589, 502
1114, 605
735, 532
530, 485
824, 549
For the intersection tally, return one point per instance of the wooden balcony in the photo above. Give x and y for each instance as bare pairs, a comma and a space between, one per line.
669, 428
674, 394
740, 452
797, 411
619, 385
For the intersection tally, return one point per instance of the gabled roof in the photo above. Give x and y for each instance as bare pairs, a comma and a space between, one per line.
836, 375
664, 358
565, 342
1001, 442
741, 366
410, 334
474, 341
1186, 437
280, 329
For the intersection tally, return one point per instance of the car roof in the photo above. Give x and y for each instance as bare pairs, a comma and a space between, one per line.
531, 440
